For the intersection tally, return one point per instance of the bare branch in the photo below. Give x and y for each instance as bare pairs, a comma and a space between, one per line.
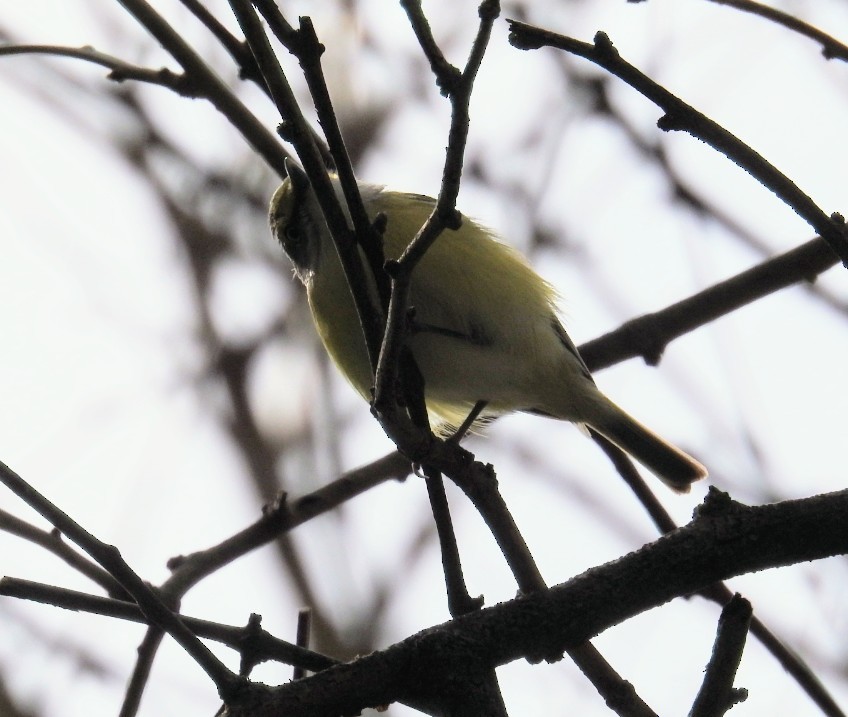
717, 695
459, 601
238, 50
296, 130
263, 644
119, 70
304, 629
282, 516
444, 216
681, 116
212, 87
108, 557
303, 43
648, 335
724, 540
52, 542
719, 592
832, 49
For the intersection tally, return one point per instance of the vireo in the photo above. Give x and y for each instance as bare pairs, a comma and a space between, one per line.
488, 325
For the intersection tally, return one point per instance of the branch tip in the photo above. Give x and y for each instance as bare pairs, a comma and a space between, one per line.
489, 10
716, 504
604, 45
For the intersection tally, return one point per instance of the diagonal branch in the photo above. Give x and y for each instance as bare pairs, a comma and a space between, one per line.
53, 543
262, 644
296, 129
238, 50
108, 557
832, 49
211, 86
119, 70
719, 593
680, 116
648, 335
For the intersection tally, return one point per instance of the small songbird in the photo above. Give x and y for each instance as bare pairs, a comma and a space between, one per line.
487, 323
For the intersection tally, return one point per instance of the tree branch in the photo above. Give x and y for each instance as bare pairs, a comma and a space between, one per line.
648, 335
725, 539
109, 558
211, 86
680, 116
832, 49
296, 130
444, 214
717, 695
119, 70
53, 543
263, 645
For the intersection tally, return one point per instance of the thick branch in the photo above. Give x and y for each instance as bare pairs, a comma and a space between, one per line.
725, 539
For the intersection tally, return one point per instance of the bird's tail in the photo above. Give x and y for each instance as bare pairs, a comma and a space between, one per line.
671, 465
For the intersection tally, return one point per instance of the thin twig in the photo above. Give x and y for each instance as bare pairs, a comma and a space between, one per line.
285, 33
304, 629
648, 335
53, 543
619, 694
280, 517
303, 43
119, 70
208, 82
832, 49
680, 116
108, 557
459, 601
447, 76
296, 130
717, 695
788, 660
444, 214
145, 655
263, 645
238, 50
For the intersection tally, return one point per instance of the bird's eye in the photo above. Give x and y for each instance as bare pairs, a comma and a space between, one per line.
295, 237
293, 233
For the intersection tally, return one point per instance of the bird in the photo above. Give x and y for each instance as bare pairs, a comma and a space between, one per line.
487, 329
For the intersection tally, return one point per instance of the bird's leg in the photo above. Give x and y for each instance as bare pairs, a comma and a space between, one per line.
468, 422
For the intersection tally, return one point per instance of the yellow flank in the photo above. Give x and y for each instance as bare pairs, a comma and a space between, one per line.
470, 264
